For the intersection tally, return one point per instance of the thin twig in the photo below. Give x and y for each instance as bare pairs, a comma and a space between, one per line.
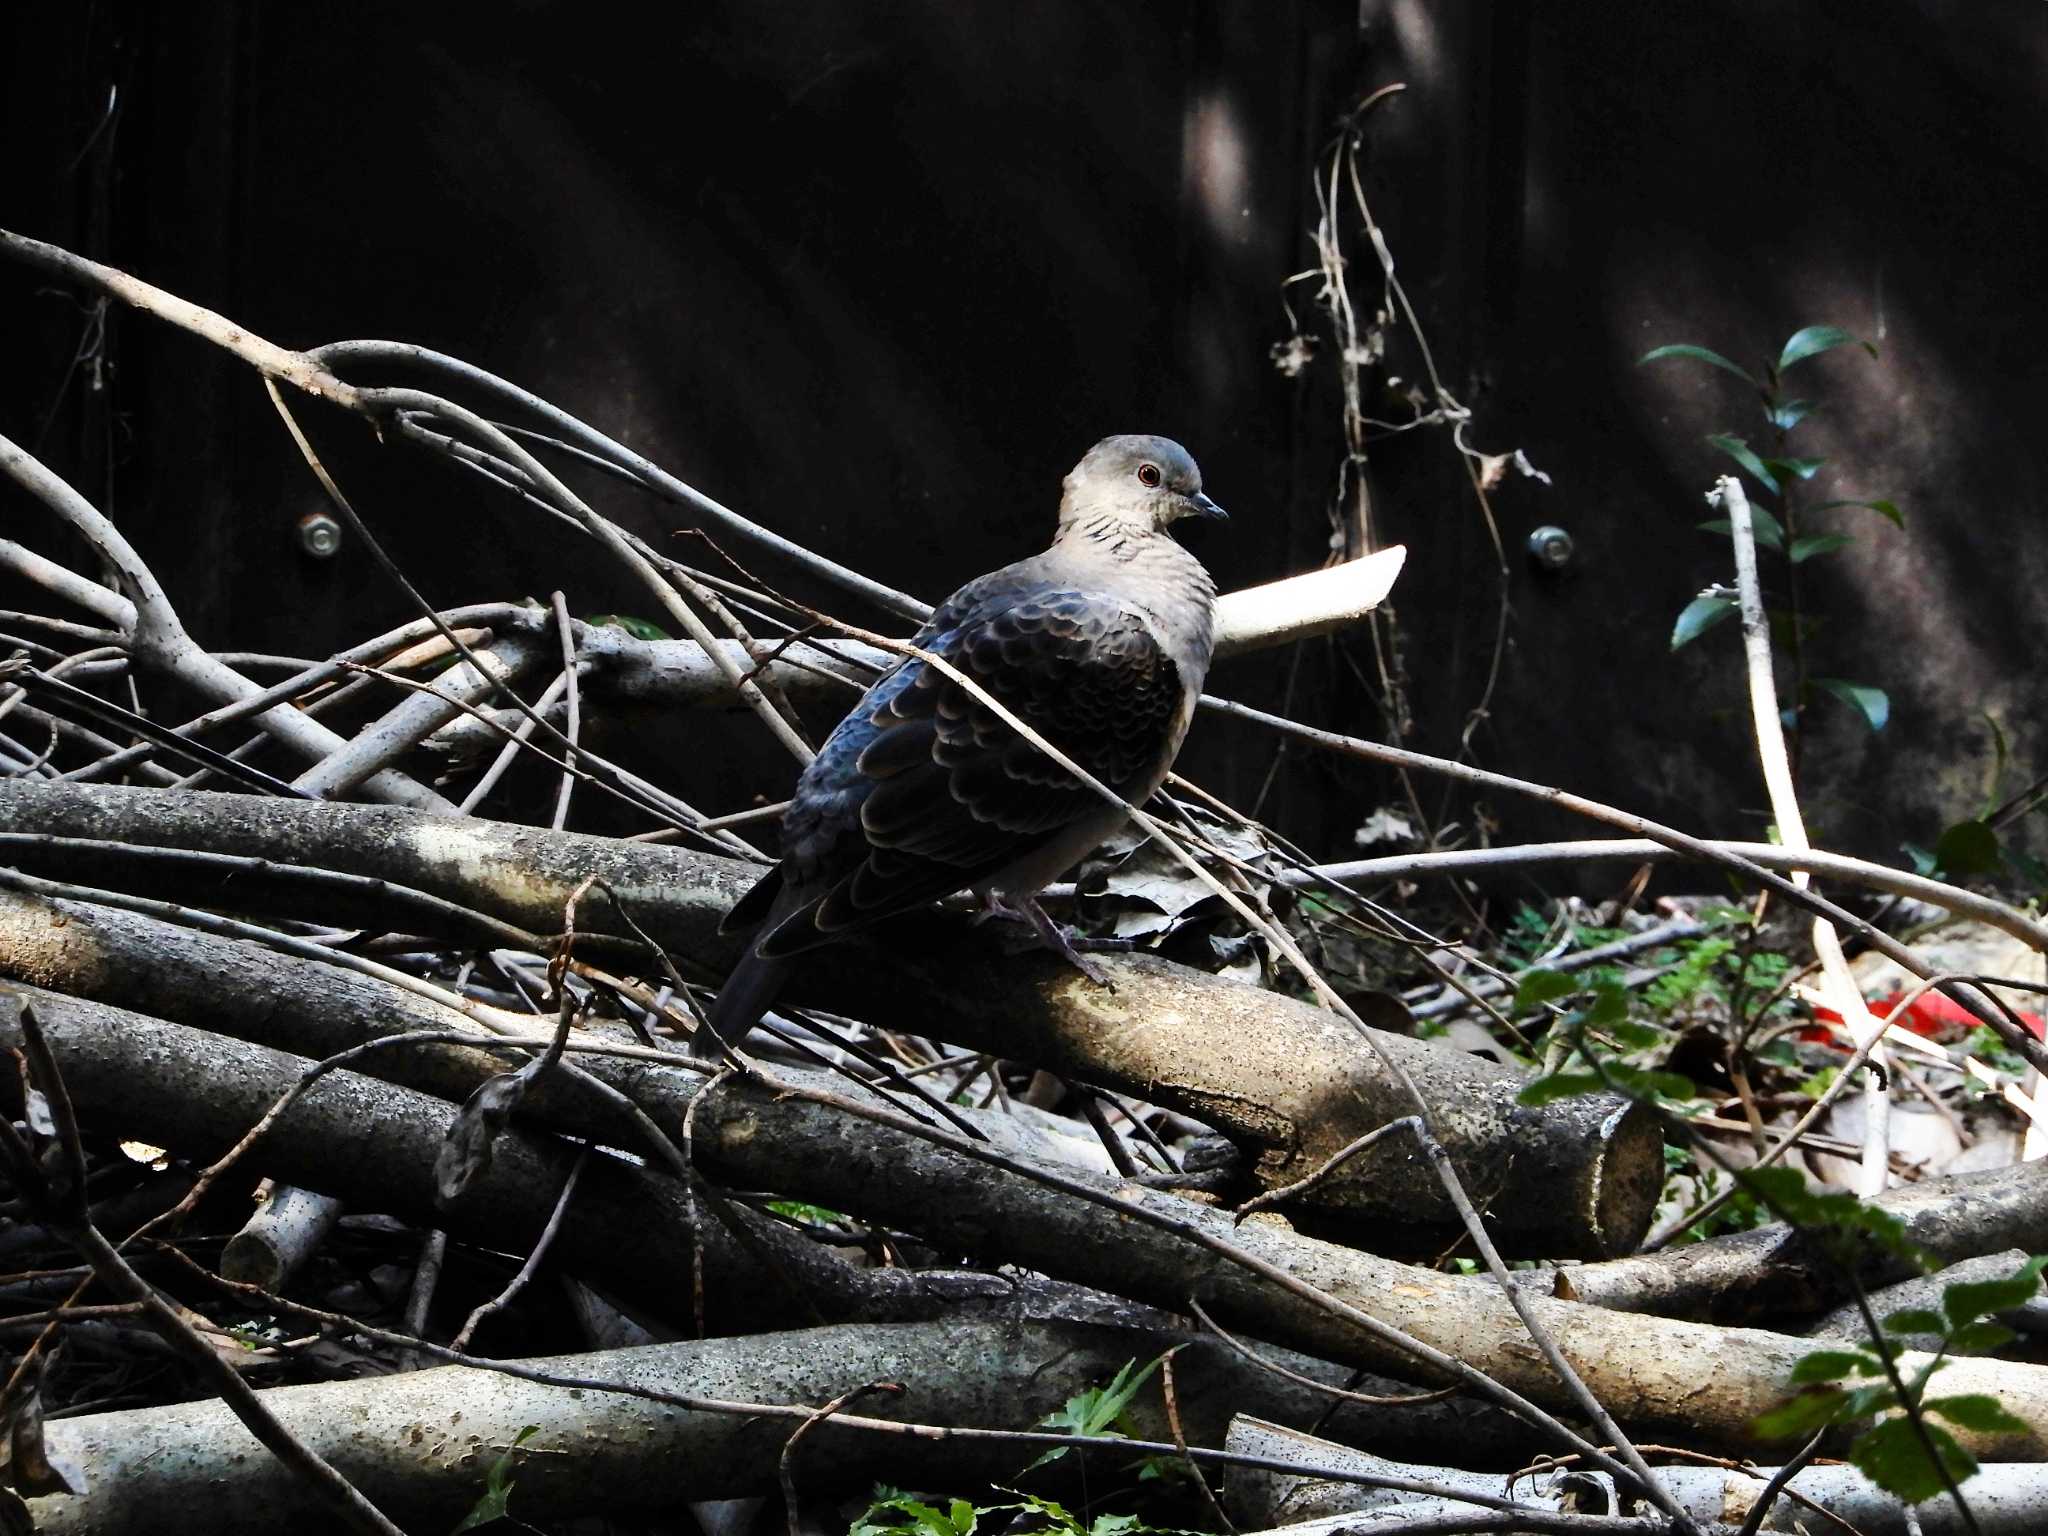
573, 727
1344, 1394
651, 475
785, 1465
1982, 1007
1171, 1398
426, 1279
1768, 1497
531, 1267
1329, 1166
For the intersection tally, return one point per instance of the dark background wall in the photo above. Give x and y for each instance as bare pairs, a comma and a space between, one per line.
876, 275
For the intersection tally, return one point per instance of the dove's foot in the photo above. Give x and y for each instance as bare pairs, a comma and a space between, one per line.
1069, 945
995, 909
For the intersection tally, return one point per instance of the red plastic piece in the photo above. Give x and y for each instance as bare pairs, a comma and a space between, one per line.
1931, 1015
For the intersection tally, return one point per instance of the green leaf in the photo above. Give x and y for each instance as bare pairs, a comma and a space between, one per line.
1096, 1410
1980, 1338
1535, 988
1887, 510
1865, 1401
1636, 1037
1799, 1416
1057, 1516
1744, 455
497, 1487
1968, 848
1833, 1365
1979, 1411
1559, 1085
1766, 529
1874, 704
1697, 354
1818, 544
815, 1215
1610, 1005
914, 1516
1641, 1084
1892, 1457
1787, 414
1784, 1191
1916, 1320
1816, 339
1699, 616
1798, 469
1111, 1401
639, 629
1819, 1083
1968, 1300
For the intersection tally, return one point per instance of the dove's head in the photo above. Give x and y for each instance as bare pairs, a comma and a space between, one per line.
1136, 482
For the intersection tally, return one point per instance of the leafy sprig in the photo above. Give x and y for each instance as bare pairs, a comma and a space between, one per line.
1907, 1453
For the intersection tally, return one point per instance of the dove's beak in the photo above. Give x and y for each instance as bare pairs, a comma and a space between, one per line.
1208, 508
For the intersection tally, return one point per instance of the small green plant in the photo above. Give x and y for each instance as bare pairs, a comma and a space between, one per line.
1691, 976
1097, 1411
1907, 1453
1984, 1045
639, 629
1778, 473
1599, 1034
1531, 932
1527, 934
1740, 1212
896, 1513
497, 1487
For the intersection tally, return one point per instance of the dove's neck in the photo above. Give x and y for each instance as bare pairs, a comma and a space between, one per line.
1148, 569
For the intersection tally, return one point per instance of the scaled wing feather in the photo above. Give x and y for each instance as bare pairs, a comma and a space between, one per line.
924, 790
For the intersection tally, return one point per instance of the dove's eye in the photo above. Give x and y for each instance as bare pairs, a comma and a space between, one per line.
1148, 474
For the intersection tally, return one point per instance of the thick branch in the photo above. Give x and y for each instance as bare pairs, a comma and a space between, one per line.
1575, 1178
1773, 1271
417, 716
420, 1443
2008, 1500
374, 1145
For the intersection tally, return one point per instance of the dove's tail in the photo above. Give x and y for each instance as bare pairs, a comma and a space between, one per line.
749, 992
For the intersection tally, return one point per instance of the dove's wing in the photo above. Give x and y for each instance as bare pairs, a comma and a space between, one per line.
923, 790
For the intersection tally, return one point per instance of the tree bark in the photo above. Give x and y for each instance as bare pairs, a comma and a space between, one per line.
1649, 1371
2008, 1499
374, 1145
1772, 1271
419, 1444
1291, 1083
